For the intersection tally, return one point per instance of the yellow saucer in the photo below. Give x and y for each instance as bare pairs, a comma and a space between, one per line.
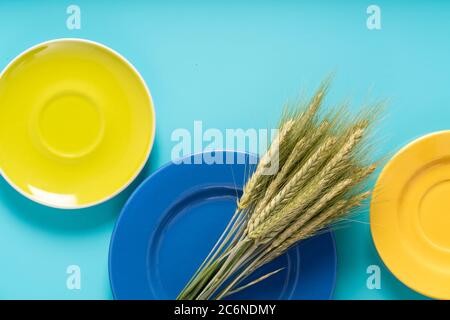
76, 123
410, 215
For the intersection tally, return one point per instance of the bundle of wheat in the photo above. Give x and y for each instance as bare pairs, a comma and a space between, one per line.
323, 164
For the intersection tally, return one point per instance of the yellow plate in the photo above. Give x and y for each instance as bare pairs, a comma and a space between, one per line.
76, 123
410, 215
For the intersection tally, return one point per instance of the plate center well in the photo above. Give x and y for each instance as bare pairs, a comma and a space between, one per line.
200, 218
434, 213
70, 125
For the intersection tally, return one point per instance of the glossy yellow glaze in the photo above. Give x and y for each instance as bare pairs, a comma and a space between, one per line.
410, 215
76, 123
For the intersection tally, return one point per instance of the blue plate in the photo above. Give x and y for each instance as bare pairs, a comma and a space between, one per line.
173, 219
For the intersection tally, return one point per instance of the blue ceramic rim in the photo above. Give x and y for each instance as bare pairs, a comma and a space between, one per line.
131, 197
170, 163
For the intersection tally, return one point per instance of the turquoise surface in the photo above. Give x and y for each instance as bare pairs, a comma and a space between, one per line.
231, 64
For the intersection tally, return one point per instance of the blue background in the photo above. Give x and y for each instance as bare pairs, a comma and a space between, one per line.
231, 64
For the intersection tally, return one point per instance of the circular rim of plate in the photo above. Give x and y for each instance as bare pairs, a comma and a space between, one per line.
397, 272
155, 173
152, 133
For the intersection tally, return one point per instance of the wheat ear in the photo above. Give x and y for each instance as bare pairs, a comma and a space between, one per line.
328, 216
301, 147
289, 191
303, 218
274, 224
254, 185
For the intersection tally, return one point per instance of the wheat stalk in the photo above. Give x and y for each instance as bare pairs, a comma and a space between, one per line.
322, 172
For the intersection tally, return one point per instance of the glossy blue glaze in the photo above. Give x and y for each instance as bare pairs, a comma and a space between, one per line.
172, 221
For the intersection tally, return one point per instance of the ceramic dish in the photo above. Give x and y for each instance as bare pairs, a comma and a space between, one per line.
76, 123
172, 221
410, 215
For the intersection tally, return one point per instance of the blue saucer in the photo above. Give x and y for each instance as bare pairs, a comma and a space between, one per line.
175, 216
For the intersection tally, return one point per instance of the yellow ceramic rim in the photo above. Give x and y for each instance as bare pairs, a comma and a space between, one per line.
407, 218
151, 137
